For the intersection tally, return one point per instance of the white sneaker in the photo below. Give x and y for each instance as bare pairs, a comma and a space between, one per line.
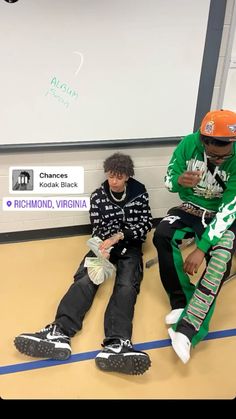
181, 345
173, 316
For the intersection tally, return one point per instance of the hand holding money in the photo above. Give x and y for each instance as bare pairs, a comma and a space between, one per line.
189, 179
99, 268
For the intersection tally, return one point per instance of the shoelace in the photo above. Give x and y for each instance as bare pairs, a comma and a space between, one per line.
54, 331
45, 329
126, 343
122, 343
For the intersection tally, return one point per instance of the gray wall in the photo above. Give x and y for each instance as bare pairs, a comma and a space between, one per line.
222, 96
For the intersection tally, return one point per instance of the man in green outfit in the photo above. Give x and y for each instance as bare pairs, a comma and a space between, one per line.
203, 172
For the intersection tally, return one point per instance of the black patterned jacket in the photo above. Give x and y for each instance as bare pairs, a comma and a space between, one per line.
134, 219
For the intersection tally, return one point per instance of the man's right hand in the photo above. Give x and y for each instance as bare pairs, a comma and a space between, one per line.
193, 261
189, 179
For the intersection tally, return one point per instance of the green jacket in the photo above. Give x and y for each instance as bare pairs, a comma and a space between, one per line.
189, 155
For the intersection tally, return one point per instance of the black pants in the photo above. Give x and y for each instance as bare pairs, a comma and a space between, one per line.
120, 310
198, 302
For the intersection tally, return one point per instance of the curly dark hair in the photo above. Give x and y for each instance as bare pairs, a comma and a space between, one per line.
120, 164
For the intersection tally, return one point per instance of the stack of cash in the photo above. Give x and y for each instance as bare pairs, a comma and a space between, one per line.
99, 268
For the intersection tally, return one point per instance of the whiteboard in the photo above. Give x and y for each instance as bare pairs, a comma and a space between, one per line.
75, 70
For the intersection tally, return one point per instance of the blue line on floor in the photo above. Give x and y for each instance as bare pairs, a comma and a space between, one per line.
27, 366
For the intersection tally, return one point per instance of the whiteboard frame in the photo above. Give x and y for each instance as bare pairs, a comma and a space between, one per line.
204, 98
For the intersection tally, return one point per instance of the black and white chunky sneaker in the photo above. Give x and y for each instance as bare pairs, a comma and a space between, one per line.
49, 342
122, 357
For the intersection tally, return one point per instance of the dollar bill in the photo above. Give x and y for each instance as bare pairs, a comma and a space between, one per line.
91, 262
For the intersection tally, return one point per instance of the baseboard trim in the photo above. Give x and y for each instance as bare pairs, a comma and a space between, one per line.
44, 234
50, 233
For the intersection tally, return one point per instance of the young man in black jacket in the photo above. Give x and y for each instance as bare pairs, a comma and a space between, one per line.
120, 216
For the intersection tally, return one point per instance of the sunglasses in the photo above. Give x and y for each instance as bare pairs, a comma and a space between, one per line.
214, 157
